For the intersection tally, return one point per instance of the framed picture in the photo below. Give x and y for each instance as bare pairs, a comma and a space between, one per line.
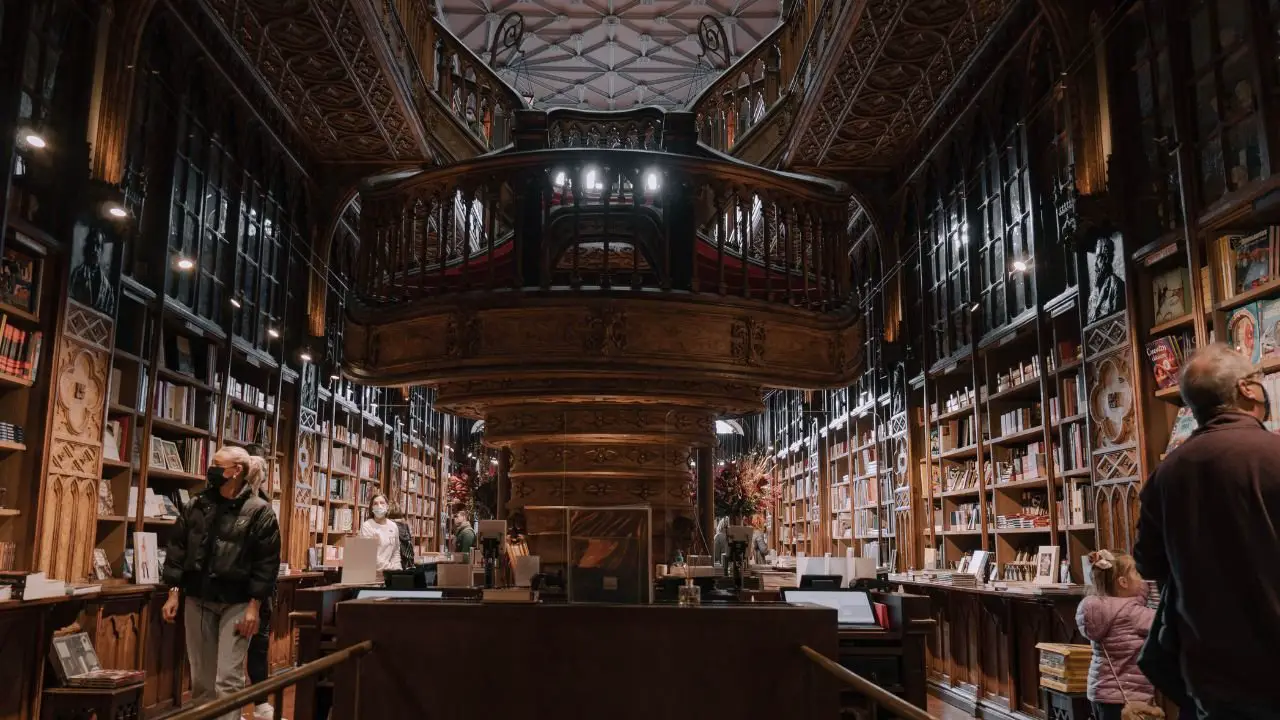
1106, 276
20, 279
172, 458
146, 559
1047, 564
157, 461
93, 276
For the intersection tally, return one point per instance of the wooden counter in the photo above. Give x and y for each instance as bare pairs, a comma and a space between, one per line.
982, 653
476, 662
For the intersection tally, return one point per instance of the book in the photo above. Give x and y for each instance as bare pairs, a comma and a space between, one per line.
101, 566
1251, 259
1269, 326
1165, 354
1183, 425
1242, 331
146, 559
1169, 295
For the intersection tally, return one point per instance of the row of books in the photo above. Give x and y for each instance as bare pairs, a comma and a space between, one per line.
1023, 463
19, 350
964, 517
1083, 505
866, 491
341, 519
1071, 452
959, 400
960, 477
180, 403
1067, 351
841, 500
1018, 375
368, 467
370, 446
1016, 421
955, 434
1071, 399
251, 395
247, 427
189, 455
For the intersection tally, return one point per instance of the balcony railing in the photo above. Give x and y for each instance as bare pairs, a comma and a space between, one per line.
441, 69
748, 94
676, 217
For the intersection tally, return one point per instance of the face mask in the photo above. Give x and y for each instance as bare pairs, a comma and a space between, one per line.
1266, 401
379, 512
215, 477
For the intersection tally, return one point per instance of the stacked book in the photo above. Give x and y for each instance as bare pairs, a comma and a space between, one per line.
1065, 668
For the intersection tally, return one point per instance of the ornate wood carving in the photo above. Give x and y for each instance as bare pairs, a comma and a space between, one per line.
69, 496
318, 60
904, 60
606, 331
748, 341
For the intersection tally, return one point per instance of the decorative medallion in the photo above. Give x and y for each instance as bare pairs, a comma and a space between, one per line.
747, 341
462, 335
606, 331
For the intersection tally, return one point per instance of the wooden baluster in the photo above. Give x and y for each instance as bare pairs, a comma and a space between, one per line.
785, 228
768, 218
579, 187
744, 234
442, 252
639, 190
806, 242
492, 196
721, 220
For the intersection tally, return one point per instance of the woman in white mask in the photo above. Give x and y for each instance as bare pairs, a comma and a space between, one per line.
385, 531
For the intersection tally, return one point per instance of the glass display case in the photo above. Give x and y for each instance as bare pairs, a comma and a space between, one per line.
603, 553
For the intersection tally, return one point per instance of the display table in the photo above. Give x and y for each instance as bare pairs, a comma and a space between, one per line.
471, 661
982, 653
122, 703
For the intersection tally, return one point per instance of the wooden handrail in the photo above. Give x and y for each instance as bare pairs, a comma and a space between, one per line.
237, 700
878, 695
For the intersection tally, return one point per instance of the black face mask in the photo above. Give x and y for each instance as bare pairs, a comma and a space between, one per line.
215, 477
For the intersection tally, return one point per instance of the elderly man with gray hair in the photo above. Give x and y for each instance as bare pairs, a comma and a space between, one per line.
1209, 533
224, 556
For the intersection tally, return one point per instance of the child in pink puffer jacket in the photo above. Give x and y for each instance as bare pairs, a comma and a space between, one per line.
1115, 618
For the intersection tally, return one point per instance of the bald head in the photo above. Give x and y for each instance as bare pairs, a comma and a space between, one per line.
1218, 379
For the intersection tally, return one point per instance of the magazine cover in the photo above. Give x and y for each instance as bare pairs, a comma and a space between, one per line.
1183, 426
1252, 260
1165, 361
1242, 331
1269, 324
1169, 296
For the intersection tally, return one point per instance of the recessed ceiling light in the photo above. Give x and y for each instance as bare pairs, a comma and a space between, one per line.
235, 303
274, 333
306, 356
34, 140
1019, 265
185, 263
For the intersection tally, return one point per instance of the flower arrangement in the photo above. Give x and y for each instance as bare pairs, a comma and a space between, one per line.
743, 487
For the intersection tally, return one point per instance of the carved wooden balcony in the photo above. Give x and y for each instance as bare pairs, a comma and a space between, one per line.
608, 263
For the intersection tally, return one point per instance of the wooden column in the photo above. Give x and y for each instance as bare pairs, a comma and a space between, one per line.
706, 459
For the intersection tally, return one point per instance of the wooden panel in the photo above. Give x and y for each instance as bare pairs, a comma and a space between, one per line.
69, 498
116, 628
164, 657
22, 648
621, 662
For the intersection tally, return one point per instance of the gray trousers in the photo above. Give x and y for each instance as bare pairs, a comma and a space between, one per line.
215, 650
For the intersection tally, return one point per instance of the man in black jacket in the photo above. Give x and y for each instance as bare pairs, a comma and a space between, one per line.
224, 555
1208, 527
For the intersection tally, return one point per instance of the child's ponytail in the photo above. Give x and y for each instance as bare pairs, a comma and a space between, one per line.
1107, 568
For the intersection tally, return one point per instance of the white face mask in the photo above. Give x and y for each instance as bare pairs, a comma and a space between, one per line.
379, 511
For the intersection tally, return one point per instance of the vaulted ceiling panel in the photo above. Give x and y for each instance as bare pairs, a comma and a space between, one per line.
607, 54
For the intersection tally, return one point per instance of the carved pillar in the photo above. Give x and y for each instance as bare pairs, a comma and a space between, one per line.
69, 494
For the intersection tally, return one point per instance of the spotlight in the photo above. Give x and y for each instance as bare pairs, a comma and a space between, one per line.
185, 263
305, 356
273, 333
1019, 265
335, 377
34, 140
651, 181
975, 307
235, 303
116, 211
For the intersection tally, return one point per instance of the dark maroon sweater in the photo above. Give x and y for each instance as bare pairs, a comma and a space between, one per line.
1210, 524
